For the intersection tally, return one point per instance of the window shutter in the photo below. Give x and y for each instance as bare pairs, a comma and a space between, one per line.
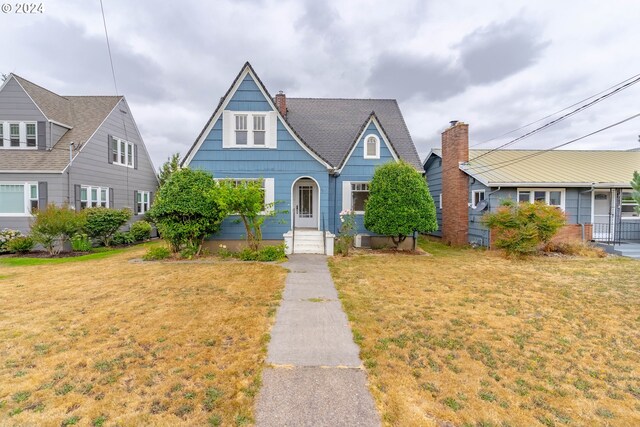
111, 203
346, 195
271, 127
76, 189
42, 195
135, 202
135, 156
228, 128
109, 144
42, 136
269, 192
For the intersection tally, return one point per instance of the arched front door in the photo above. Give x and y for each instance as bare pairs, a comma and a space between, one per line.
305, 203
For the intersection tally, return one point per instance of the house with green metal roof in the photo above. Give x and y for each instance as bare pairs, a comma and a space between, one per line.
591, 186
315, 157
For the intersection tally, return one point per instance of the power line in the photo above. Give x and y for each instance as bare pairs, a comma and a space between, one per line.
553, 114
505, 163
561, 118
113, 71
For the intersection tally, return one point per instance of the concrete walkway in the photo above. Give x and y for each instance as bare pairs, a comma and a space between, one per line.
316, 376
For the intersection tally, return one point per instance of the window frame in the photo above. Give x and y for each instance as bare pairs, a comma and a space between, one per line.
254, 131
118, 155
352, 183
473, 197
100, 191
633, 203
22, 139
377, 145
533, 190
145, 205
231, 129
27, 199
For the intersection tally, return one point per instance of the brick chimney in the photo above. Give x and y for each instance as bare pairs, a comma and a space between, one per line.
281, 103
455, 184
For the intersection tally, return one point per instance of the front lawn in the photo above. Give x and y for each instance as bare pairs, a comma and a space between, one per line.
106, 342
474, 339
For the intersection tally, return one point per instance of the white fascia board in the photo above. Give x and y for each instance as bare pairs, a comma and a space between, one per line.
384, 136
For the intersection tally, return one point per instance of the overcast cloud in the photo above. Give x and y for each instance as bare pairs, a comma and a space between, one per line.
496, 66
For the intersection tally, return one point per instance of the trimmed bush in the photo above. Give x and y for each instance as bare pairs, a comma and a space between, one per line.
140, 230
247, 254
103, 223
157, 253
81, 243
6, 235
21, 244
53, 226
122, 238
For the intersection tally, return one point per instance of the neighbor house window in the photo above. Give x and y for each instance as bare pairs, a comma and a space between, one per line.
142, 204
628, 206
18, 135
241, 129
122, 152
359, 196
91, 197
31, 134
14, 132
18, 199
259, 130
552, 197
371, 147
1, 134
476, 197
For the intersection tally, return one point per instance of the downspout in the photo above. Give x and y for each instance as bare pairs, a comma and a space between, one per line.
578, 216
489, 208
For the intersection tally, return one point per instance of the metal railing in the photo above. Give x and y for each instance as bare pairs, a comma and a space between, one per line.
622, 231
293, 230
324, 236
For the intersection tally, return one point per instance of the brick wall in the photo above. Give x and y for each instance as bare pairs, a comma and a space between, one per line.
455, 185
281, 103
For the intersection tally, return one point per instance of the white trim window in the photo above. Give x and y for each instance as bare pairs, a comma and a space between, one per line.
550, 196
476, 197
122, 152
268, 187
143, 202
18, 198
371, 147
19, 135
354, 196
628, 206
92, 197
249, 129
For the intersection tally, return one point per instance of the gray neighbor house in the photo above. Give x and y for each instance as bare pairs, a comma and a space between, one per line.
82, 150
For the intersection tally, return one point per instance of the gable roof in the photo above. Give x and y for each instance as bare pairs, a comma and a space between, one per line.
84, 114
577, 168
331, 125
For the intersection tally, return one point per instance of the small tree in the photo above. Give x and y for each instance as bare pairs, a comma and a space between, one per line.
168, 168
103, 223
246, 199
522, 228
399, 203
53, 226
635, 184
187, 209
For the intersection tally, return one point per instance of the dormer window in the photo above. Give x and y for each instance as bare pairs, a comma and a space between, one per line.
18, 135
249, 129
371, 147
241, 129
31, 134
258, 130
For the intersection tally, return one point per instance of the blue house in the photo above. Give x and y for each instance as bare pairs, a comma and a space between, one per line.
314, 156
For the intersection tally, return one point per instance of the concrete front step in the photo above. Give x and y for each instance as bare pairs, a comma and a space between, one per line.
309, 242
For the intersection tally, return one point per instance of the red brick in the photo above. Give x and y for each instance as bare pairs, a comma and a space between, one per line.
455, 185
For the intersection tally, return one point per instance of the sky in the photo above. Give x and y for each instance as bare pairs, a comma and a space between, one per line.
496, 65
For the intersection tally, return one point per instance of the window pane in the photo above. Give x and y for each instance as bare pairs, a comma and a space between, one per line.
555, 198
31, 134
94, 194
539, 196
241, 137
123, 151
146, 197
103, 194
1, 134
139, 197
130, 154
258, 122
83, 194
358, 199
258, 137
15, 134
371, 147
629, 211
34, 192
11, 198
627, 197
523, 196
241, 122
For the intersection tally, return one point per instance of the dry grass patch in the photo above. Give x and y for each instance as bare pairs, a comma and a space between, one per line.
106, 342
470, 338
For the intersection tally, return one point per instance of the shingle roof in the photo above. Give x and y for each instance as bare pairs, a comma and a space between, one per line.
571, 167
84, 114
330, 126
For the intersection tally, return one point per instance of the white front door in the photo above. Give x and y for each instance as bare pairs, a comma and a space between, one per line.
305, 204
602, 218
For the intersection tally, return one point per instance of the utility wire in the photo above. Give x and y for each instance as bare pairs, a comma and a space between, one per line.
113, 71
561, 118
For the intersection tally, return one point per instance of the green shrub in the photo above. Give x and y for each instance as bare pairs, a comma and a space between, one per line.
223, 252
157, 253
187, 208
344, 242
21, 244
189, 252
523, 228
103, 223
122, 238
81, 243
271, 253
53, 226
247, 254
6, 235
399, 203
140, 230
